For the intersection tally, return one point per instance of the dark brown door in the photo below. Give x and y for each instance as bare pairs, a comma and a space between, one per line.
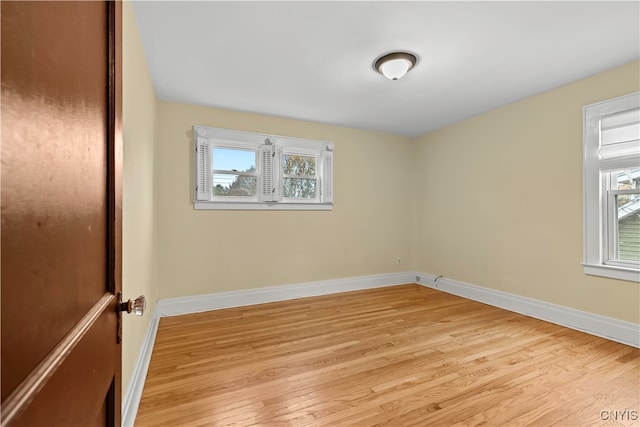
61, 213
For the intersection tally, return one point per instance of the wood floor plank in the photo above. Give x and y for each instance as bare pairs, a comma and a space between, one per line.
403, 355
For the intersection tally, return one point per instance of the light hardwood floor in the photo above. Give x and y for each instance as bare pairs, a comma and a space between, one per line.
403, 355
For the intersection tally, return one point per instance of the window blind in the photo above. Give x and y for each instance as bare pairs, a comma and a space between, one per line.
620, 140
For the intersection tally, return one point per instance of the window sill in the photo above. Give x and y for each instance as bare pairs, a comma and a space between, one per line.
276, 206
621, 273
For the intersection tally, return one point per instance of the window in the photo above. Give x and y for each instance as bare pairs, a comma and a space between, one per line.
300, 177
612, 188
243, 170
234, 173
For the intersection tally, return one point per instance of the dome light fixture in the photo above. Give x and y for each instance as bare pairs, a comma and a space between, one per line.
394, 65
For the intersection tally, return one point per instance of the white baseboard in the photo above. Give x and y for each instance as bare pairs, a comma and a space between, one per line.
131, 399
594, 324
198, 303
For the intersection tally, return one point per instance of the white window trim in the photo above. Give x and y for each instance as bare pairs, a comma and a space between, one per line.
277, 145
596, 236
262, 206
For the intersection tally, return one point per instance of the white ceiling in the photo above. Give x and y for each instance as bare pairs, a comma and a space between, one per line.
313, 60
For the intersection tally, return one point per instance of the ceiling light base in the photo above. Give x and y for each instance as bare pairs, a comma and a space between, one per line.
395, 65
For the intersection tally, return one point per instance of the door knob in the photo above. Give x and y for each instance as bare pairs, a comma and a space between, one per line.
136, 306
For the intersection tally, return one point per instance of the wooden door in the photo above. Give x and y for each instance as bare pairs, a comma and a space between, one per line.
61, 213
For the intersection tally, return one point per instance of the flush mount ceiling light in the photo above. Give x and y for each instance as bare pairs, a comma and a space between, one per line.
394, 65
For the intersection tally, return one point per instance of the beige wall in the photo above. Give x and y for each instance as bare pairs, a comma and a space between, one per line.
201, 252
139, 254
495, 200
500, 199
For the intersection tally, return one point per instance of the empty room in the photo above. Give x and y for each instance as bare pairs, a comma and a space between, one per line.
331, 213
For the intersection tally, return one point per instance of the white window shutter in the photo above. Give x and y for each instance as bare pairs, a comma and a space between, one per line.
270, 185
327, 177
276, 174
265, 184
203, 169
